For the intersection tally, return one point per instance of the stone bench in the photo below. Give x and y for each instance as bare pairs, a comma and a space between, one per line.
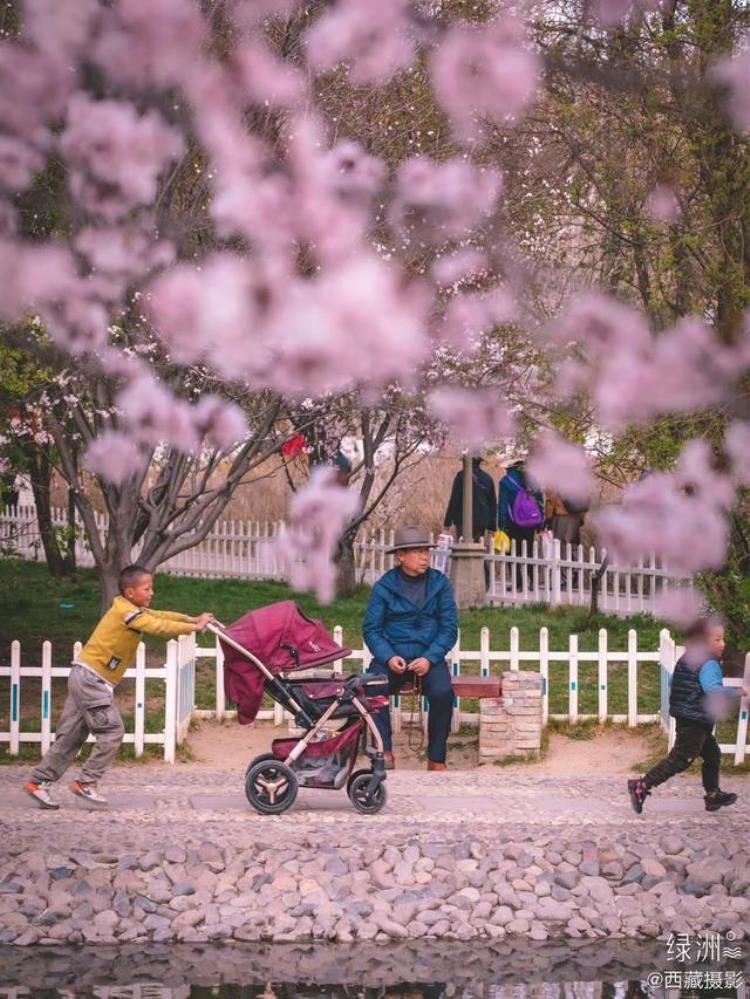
510, 712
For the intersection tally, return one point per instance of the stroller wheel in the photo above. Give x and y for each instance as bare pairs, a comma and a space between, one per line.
358, 790
271, 786
260, 759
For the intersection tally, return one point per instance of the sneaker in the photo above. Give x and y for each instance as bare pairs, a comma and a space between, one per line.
39, 791
432, 765
390, 761
638, 793
718, 799
87, 791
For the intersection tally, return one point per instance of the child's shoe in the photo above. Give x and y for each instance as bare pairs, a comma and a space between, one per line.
39, 791
718, 799
638, 793
87, 791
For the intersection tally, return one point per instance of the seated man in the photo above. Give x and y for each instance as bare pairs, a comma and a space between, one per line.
411, 624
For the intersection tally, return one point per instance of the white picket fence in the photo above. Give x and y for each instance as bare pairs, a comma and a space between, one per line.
548, 573
177, 674
184, 656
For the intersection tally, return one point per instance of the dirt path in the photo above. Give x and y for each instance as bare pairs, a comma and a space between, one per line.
612, 751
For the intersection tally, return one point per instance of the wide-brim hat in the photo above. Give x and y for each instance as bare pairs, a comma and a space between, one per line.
411, 536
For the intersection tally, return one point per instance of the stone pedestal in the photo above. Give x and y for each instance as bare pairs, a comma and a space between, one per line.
467, 574
511, 725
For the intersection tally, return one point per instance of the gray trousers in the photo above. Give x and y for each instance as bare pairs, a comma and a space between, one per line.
89, 707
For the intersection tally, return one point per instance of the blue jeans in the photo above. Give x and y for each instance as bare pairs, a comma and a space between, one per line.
436, 687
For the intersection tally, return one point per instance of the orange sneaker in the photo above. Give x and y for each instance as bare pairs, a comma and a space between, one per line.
432, 765
390, 761
87, 791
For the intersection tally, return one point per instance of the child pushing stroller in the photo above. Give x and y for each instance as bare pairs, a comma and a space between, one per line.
260, 650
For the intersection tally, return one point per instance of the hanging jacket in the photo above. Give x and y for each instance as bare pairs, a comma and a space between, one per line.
395, 626
511, 482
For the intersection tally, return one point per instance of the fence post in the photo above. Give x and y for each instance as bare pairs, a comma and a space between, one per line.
221, 704
514, 657
140, 699
602, 674
554, 569
484, 651
338, 637
46, 696
632, 678
739, 752
544, 671
573, 681
455, 659
170, 703
15, 698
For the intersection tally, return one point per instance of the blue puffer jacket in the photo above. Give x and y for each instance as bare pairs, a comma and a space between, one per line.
394, 626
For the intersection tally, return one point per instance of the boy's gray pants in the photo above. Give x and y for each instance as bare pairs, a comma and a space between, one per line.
89, 707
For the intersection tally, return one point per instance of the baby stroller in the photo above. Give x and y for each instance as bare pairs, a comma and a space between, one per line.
261, 650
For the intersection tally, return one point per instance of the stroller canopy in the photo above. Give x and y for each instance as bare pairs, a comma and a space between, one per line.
284, 639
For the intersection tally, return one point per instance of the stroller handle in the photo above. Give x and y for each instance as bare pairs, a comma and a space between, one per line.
216, 627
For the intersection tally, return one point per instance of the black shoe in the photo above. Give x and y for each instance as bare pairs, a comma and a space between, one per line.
638, 793
717, 800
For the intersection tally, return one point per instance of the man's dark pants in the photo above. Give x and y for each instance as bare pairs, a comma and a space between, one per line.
692, 738
436, 687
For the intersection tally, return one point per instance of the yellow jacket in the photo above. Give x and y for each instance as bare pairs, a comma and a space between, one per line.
111, 649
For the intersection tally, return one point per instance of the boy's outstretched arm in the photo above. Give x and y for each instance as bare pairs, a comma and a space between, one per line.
166, 624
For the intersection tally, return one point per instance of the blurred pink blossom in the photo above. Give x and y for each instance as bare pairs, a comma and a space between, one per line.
471, 315
373, 38
737, 446
442, 201
601, 324
473, 417
485, 71
318, 515
734, 73
120, 255
662, 204
681, 607
561, 466
114, 155
144, 43
351, 171
681, 517
115, 457
265, 79
18, 163
459, 266
613, 12
33, 88
222, 423
153, 416
60, 27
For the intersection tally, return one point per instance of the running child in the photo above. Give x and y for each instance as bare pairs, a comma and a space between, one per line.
90, 705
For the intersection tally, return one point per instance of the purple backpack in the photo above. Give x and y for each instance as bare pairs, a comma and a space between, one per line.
524, 510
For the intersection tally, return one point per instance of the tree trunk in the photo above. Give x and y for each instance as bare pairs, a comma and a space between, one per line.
346, 577
108, 583
40, 474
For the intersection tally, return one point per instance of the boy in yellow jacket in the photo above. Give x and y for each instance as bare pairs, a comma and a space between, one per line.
90, 705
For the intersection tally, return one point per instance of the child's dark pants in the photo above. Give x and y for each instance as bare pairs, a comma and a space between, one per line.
693, 738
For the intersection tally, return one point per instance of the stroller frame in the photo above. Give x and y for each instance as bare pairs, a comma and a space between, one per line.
370, 795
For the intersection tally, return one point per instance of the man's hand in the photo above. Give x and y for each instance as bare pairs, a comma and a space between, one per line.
419, 666
202, 620
397, 664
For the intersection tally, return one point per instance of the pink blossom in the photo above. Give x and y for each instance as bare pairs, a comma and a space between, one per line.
662, 204
318, 515
33, 89
563, 467
374, 39
460, 266
679, 516
114, 156
600, 324
351, 171
469, 316
144, 43
737, 446
18, 162
114, 457
248, 15
473, 417
362, 323
484, 71
442, 201
265, 79
120, 255
60, 27
734, 73
613, 12
8, 222
223, 423
682, 606
153, 416
76, 322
